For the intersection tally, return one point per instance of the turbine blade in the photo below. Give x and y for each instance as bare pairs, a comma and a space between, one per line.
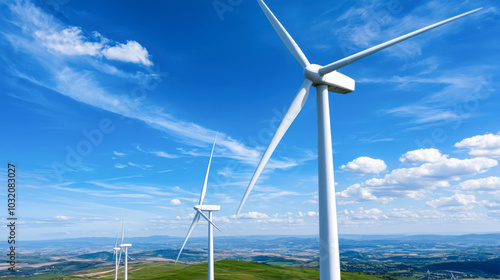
116, 240
123, 225
350, 59
204, 189
294, 109
193, 224
208, 220
285, 37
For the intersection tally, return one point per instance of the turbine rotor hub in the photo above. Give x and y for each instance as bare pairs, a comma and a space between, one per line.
336, 82
311, 72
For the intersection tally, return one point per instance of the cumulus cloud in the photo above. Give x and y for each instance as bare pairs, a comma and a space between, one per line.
365, 165
422, 156
416, 181
252, 215
308, 214
129, 52
491, 183
487, 145
175, 201
456, 200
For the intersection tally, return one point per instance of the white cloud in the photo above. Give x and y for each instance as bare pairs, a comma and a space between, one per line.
175, 201
163, 154
364, 165
119, 165
422, 156
487, 145
62, 218
157, 153
129, 52
415, 182
118, 154
271, 195
362, 214
456, 200
141, 166
491, 183
374, 22
491, 205
252, 215
439, 105
312, 214
69, 41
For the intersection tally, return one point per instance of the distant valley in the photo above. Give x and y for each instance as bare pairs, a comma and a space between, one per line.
418, 256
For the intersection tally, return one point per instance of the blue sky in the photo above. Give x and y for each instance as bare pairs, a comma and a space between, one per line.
114, 105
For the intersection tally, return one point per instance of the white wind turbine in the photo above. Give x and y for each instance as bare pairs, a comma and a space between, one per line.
325, 79
123, 247
199, 213
115, 256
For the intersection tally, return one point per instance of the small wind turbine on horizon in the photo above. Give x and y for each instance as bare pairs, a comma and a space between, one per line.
123, 247
115, 256
199, 213
325, 79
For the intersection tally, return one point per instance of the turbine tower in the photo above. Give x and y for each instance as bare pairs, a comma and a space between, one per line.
200, 208
126, 257
325, 79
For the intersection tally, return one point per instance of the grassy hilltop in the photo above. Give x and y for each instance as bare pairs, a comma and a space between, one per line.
224, 270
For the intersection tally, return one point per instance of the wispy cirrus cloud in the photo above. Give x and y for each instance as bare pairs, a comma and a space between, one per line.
64, 46
71, 41
449, 102
158, 153
372, 22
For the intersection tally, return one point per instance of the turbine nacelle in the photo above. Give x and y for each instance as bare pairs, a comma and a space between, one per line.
335, 81
207, 207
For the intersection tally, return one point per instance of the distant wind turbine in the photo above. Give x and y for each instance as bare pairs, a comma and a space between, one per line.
199, 213
123, 247
325, 79
115, 256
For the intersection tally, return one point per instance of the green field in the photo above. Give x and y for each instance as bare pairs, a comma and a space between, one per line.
225, 269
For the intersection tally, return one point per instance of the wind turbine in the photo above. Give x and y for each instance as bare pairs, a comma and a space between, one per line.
199, 213
115, 256
123, 247
325, 79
